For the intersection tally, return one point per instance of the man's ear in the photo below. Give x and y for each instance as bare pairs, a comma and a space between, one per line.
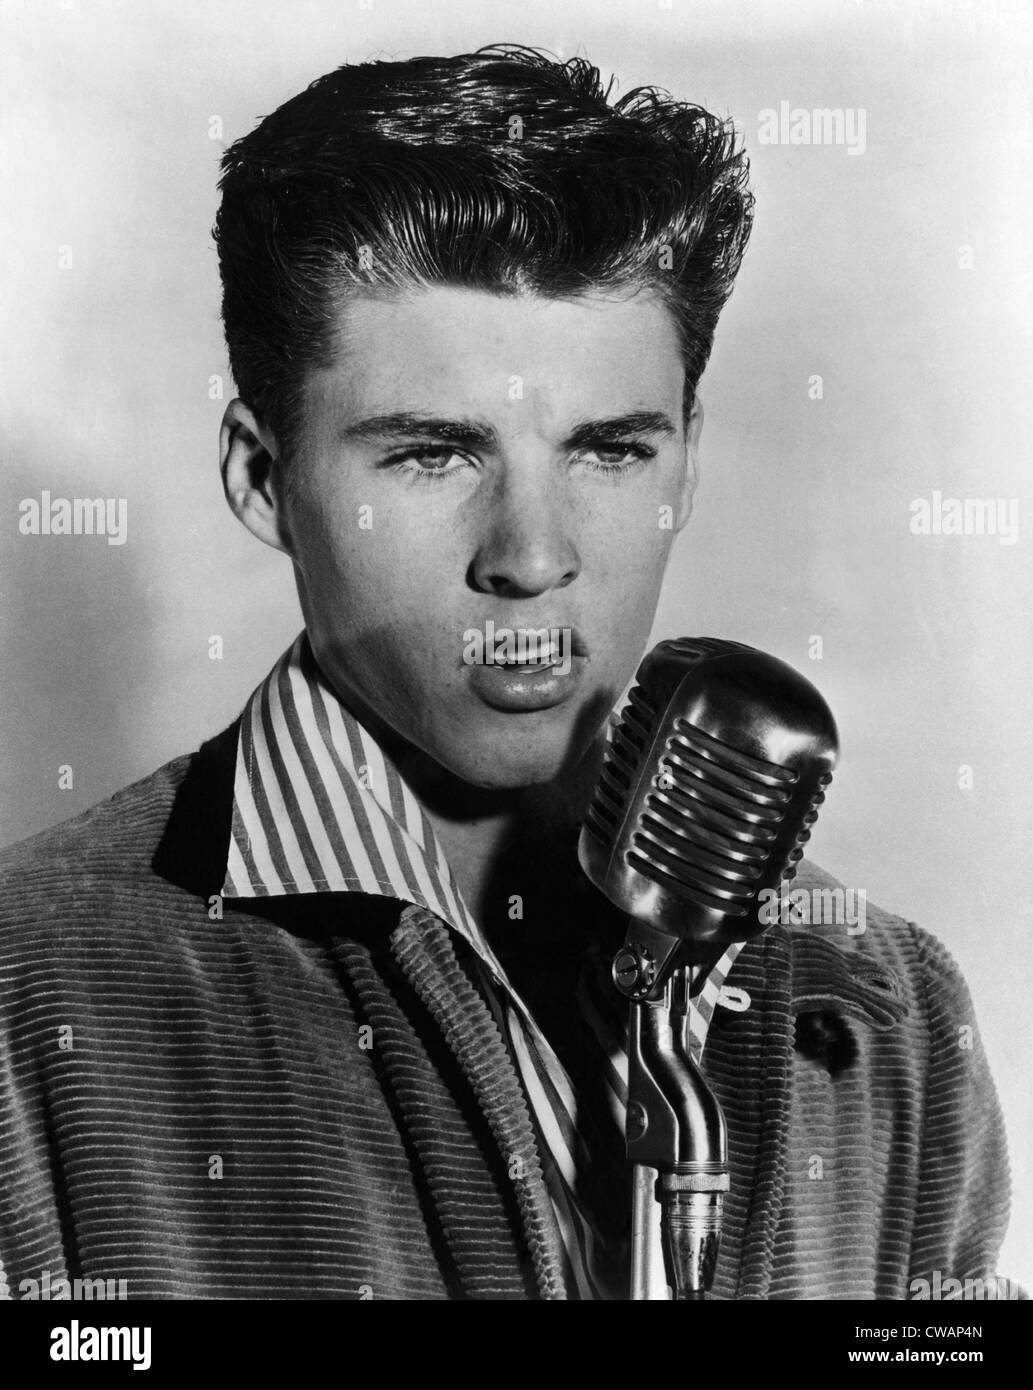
251, 480
693, 428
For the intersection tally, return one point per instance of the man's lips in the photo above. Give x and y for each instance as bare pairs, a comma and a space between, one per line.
524, 667
520, 688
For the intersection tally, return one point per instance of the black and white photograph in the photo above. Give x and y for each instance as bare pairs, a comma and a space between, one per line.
517, 628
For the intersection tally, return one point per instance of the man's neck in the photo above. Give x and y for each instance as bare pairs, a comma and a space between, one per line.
506, 847
501, 843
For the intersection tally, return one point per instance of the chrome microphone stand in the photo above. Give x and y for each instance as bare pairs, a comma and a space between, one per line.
677, 1140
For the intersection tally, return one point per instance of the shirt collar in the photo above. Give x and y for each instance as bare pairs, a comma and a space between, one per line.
319, 807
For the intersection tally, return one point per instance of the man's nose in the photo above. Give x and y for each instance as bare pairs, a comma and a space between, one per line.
526, 546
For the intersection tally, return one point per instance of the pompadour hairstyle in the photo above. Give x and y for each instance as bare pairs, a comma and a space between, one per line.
502, 170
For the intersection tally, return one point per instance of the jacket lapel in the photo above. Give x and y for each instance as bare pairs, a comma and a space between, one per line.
423, 948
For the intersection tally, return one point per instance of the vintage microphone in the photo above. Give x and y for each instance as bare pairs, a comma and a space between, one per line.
707, 794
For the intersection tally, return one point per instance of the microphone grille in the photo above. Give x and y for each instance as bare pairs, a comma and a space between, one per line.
709, 788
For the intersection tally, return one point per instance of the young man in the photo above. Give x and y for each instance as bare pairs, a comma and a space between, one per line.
321, 1010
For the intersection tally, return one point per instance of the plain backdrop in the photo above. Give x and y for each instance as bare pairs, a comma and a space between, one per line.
900, 276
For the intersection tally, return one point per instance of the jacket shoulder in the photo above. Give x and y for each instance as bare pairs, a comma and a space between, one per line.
842, 915
154, 829
122, 826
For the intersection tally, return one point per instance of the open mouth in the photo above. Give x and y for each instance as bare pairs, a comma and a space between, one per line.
541, 659
536, 648
525, 669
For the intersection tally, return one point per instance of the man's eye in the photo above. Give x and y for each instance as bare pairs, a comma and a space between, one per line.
616, 456
427, 462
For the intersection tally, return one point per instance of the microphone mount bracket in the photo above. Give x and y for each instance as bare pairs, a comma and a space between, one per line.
675, 1126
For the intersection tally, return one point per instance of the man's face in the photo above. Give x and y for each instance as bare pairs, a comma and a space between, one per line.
535, 482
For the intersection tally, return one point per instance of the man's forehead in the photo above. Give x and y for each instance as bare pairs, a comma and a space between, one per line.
474, 350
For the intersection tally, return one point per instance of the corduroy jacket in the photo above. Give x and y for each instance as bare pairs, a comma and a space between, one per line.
308, 1097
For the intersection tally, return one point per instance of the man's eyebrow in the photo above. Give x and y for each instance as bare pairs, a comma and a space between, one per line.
472, 433
476, 434
612, 426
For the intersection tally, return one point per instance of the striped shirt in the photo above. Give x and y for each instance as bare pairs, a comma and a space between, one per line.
318, 807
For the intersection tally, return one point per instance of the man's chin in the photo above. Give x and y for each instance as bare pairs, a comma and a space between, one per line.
496, 769
521, 756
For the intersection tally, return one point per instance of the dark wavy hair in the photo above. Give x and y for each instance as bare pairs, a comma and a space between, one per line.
502, 170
